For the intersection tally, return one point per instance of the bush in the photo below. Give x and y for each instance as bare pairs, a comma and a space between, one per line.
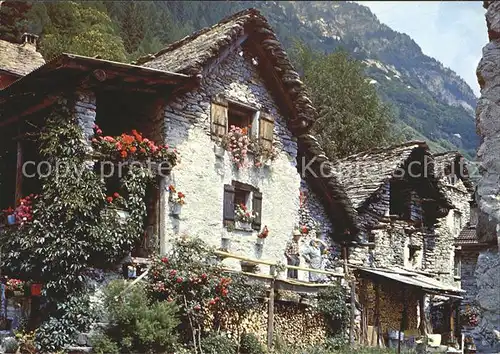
250, 344
137, 324
218, 344
102, 344
10, 345
332, 305
72, 316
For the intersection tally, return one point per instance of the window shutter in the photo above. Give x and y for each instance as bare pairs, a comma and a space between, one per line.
218, 116
228, 211
266, 129
257, 207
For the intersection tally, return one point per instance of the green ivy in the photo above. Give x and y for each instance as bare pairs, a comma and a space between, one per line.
74, 225
332, 305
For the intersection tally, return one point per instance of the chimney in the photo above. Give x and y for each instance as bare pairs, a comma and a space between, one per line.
29, 40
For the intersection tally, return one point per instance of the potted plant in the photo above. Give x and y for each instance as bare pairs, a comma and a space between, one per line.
177, 200
264, 154
469, 317
15, 286
36, 289
244, 217
262, 235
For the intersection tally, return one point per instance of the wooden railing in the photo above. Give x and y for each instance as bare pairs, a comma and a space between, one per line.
274, 265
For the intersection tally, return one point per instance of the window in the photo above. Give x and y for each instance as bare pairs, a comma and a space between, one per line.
400, 199
458, 267
240, 193
240, 117
457, 223
225, 113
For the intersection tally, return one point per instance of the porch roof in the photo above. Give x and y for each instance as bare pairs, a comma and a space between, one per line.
418, 280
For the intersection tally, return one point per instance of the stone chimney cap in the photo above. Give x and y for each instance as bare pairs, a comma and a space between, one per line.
29, 38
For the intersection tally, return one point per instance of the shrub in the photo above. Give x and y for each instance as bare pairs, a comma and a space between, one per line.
250, 344
10, 345
332, 305
137, 323
218, 344
102, 344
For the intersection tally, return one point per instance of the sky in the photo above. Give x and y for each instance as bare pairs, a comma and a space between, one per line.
453, 32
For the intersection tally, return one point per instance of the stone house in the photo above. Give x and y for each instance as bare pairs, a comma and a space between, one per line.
17, 60
404, 251
234, 73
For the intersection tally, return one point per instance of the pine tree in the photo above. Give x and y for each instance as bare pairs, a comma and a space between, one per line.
13, 19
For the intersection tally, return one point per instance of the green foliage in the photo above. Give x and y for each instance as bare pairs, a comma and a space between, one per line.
73, 226
102, 344
351, 116
14, 22
137, 323
332, 305
250, 344
79, 28
71, 316
218, 344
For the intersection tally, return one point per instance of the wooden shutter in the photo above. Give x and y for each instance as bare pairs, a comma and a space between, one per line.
218, 116
257, 207
266, 129
228, 212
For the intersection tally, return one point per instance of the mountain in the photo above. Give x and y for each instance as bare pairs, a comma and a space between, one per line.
430, 101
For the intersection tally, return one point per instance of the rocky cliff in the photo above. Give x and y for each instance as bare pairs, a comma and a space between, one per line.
487, 335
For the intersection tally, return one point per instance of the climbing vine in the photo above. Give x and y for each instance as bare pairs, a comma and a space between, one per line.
74, 223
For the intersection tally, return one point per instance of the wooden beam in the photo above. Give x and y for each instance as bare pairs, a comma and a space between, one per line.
162, 214
19, 173
377, 312
45, 103
223, 54
270, 316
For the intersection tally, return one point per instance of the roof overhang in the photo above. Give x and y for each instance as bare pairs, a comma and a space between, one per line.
66, 72
424, 283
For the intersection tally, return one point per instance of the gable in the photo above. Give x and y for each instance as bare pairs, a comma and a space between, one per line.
206, 48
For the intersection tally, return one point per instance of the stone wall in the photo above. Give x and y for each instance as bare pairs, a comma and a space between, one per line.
467, 277
201, 175
487, 335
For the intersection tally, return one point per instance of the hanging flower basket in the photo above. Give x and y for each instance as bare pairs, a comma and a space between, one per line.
36, 289
176, 209
219, 151
11, 219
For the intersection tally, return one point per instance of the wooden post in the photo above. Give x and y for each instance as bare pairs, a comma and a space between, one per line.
270, 316
353, 308
19, 173
377, 312
404, 315
423, 325
162, 213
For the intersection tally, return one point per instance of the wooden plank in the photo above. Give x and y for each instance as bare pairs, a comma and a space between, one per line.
270, 263
353, 307
270, 316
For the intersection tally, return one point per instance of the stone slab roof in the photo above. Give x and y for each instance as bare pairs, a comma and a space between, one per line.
204, 48
452, 162
365, 173
19, 59
467, 237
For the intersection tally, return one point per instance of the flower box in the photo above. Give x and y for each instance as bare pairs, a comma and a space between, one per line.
219, 151
242, 225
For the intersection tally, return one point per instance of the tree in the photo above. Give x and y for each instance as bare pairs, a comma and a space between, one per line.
352, 118
13, 15
80, 29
